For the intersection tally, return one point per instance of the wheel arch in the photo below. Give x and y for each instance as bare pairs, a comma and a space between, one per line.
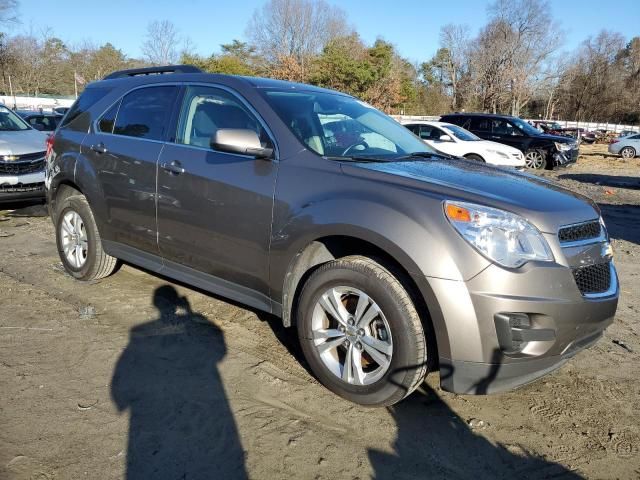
332, 247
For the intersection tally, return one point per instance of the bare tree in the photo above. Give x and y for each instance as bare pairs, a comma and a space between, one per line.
161, 45
512, 50
8, 12
295, 29
454, 40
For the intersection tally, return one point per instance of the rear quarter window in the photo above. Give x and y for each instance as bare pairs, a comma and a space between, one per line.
78, 117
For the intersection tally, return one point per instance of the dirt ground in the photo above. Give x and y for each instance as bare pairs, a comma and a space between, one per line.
206, 389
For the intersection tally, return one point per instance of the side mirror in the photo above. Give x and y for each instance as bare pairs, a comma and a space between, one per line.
445, 138
239, 140
38, 126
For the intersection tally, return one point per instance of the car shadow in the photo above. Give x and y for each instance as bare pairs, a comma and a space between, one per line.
434, 442
616, 181
623, 221
181, 425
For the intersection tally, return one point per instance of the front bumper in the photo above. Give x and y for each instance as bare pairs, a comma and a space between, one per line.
566, 157
472, 355
22, 187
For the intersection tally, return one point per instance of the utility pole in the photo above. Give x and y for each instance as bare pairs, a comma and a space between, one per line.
11, 92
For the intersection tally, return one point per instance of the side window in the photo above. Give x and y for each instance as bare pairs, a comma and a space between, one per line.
208, 109
635, 137
105, 125
481, 124
414, 129
77, 118
144, 113
502, 127
424, 131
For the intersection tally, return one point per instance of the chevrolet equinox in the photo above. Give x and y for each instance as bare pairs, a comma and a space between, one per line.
389, 258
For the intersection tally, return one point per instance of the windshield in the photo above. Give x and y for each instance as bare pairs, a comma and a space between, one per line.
10, 122
461, 134
335, 125
525, 127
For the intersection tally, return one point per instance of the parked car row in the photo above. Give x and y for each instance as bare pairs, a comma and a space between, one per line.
22, 158
498, 139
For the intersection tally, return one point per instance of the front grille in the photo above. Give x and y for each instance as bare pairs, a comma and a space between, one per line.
26, 187
580, 231
17, 167
24, 158
593, 278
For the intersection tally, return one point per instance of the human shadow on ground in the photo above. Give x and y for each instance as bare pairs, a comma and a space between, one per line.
434, 442
181, 425
623, 221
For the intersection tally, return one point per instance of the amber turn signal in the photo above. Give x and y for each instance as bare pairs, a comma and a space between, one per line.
457, 213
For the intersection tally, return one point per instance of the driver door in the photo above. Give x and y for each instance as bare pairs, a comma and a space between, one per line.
214, 208
505, 132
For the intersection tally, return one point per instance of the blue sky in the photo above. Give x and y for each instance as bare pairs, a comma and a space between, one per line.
412, 25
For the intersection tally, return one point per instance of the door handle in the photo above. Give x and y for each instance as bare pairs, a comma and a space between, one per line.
99, 148
174, 167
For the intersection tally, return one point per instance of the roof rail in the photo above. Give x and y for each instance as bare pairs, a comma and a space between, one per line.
133, 72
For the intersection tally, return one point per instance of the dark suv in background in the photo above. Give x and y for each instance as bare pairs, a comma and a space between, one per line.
388, 257
542, 151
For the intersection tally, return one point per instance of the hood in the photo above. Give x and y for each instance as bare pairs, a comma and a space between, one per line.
22, 142
557, 138
547, 205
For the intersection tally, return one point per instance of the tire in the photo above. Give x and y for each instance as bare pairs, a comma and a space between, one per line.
395, 328
78, 241
536, 159
473, 156
628, 152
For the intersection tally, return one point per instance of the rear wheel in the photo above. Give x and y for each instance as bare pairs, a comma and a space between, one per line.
628, 152
361, 333
78, 241
535, 159
473, 156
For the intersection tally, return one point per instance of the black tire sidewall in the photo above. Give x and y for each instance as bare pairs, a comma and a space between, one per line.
398, 378
474, 157
78, 205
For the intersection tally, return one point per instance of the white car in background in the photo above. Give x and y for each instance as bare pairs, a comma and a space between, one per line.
456, 141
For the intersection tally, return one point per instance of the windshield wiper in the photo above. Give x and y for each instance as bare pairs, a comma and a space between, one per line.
356, 159
421, 155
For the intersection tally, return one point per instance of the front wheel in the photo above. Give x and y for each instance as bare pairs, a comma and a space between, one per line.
535, 159
360, 332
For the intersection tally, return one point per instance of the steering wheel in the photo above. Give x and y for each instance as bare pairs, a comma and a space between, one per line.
355, 144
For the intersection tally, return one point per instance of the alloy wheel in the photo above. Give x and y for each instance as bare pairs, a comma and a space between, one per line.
352, 335
534, 159
628, 152
73, 236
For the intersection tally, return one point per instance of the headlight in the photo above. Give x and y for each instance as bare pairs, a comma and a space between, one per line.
499, 153
503, 237
563, 147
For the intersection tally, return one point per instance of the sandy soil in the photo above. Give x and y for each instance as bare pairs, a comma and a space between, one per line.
201, 388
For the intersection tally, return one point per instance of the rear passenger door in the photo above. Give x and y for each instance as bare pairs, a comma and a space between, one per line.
214, 208
123, 147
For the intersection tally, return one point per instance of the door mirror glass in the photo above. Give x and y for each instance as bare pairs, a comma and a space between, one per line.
239, 140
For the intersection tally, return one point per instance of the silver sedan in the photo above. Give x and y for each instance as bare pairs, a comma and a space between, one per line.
627, 147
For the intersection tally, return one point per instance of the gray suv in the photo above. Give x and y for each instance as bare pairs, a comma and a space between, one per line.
390, 259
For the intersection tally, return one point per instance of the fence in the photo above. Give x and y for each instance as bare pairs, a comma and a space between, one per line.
614, 127
35, 103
